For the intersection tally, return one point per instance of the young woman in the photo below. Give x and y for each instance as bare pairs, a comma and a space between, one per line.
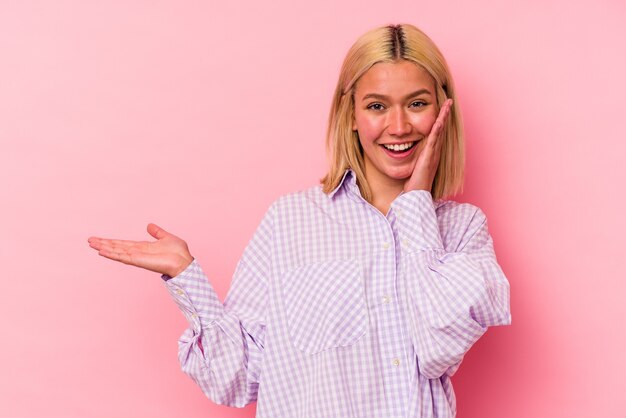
359, 297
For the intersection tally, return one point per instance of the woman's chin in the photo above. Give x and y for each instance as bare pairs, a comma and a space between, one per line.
400, 174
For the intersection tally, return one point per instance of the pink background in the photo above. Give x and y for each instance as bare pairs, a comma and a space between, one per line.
196, 115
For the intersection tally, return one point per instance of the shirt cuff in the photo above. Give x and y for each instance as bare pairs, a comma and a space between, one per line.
195, 296
416, 218
187, 271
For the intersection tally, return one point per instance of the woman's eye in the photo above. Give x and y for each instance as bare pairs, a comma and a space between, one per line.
418, 103
375, 106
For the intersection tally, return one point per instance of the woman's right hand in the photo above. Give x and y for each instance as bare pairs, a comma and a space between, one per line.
167, 255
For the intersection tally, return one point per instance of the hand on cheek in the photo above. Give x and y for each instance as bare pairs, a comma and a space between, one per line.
430, 153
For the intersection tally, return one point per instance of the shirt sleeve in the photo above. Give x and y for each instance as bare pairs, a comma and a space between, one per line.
455, 286
222, 350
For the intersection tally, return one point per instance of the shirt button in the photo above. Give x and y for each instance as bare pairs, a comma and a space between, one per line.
385, 245
180, 292
194, 315
405, 242
386, 299
396, 362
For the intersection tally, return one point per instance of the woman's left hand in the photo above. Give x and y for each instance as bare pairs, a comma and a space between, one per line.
428, 160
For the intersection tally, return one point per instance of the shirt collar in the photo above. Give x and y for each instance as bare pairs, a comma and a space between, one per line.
349, 179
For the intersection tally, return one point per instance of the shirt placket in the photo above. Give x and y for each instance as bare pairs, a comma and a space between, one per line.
392, 339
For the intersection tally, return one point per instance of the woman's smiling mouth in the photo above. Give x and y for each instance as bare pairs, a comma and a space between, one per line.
399, 150
399, 147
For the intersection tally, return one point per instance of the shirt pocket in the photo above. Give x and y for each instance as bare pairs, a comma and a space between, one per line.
325, 305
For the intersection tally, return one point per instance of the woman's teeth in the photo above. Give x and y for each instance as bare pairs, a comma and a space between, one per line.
399, 147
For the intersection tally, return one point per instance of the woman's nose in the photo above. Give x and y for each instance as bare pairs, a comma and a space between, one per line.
399, 123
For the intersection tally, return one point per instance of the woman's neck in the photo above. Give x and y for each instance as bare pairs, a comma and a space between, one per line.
384, 191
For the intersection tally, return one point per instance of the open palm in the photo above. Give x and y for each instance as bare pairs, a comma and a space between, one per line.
167, 255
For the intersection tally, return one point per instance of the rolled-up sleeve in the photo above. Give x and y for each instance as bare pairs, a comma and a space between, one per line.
222, 350
456, 287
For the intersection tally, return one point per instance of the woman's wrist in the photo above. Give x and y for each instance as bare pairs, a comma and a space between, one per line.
185, 261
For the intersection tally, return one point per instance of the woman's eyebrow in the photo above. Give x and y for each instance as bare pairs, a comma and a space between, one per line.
383, 97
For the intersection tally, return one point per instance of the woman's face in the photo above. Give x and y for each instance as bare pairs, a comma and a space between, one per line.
395, 107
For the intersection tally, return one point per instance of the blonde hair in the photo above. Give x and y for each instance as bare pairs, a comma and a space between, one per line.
392, 44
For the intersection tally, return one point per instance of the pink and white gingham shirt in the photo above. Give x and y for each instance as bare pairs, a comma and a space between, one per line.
336, 310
